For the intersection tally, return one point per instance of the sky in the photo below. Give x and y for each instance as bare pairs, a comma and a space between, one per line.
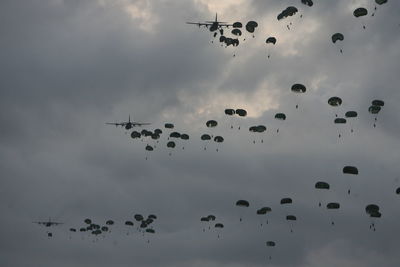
70, 66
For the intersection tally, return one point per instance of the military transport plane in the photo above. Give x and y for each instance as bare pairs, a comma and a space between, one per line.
128, 124
48, 223
214, 25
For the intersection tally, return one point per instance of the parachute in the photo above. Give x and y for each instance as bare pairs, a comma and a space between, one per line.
335, 101
169, 126
184, 136
307, 2
135, 134
263, 211
270, 244
211, 123
219, 225
271, 40
237, 25
351, 114
286, 201
398, 191
138, 217
251, 26
377, 102
229, 111
151, 231
88, 221
175, 135
337, 37
236, 32
218, 139
171, 144
333, 206
340, 121
291, 218
360, 12
280, 116
374, 109
241, 112
373, 211
298, 88
130, 223
110, 222
289, 11
205, 137
242, 203
149, 148
350, 170
322, 185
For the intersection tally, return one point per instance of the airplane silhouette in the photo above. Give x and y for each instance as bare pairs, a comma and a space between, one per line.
128, 124
214, 25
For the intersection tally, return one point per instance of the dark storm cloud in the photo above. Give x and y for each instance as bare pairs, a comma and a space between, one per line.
70, 66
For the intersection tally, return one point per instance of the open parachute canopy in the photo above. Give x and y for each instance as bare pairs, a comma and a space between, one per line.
286, 200
335, 101
381, 2
280, 116
271, 40
211, 123
298, 88
337, 37
237, 25
333, 206
241, 112
205, 137
377, 102
229, 111
307, 2
263, 210
242, 203
351, 114
236, 32
322, 185
258, 129
340, 121
359, 12
350, 170
289, 11
218, 139
169, 125
374, 109
270, 244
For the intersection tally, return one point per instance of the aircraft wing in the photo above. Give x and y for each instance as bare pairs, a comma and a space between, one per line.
199, 23
140, 123
224, 25
116, 123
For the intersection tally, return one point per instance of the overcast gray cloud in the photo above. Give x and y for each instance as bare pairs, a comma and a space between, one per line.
70, 66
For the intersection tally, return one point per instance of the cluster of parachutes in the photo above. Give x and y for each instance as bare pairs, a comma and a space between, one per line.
210, 219
95, 229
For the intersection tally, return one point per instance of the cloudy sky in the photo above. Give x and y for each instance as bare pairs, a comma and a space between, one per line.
69, 66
